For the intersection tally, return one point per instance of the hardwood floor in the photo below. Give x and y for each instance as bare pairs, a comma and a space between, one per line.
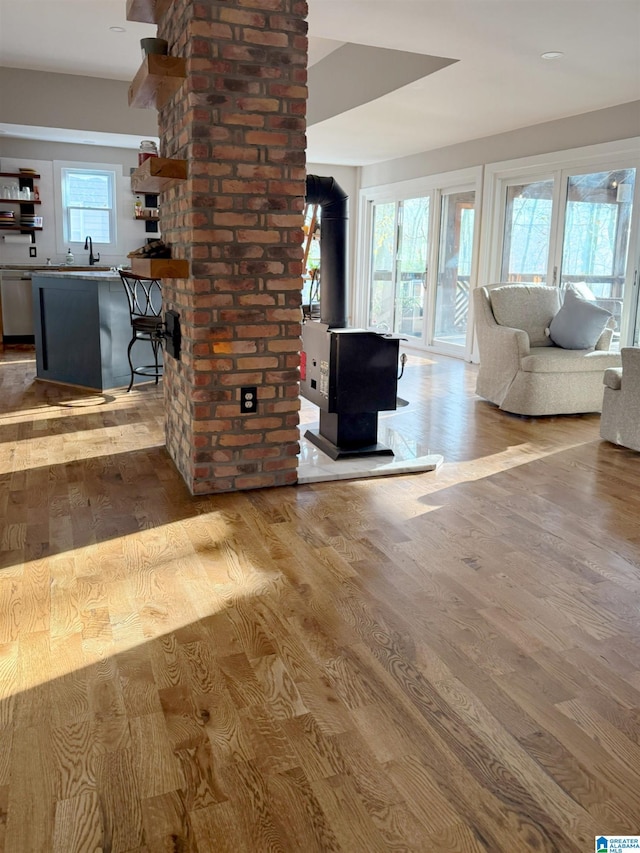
444, 661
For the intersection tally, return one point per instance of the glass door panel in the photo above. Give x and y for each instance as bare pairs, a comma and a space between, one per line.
527, 232
454, 268
595, 244
411, 266
383, 241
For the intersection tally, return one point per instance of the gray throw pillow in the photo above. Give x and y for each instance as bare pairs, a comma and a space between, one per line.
583, 290
578, 324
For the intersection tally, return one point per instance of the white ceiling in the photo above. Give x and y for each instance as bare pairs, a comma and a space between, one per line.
499, 82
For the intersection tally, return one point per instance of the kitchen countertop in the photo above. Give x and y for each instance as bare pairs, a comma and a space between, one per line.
90, 273
52, 268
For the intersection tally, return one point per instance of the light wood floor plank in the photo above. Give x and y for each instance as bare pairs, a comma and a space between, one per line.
449, 660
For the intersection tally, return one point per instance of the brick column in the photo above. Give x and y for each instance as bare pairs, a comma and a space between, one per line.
239, 120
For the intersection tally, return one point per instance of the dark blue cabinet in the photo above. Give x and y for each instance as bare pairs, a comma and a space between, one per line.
82, 329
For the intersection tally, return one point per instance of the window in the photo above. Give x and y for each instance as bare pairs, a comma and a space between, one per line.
88, 205
527, 231
572, 225
597, 223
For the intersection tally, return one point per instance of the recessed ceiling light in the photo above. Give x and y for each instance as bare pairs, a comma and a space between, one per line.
117, 29
89, 141
552, 54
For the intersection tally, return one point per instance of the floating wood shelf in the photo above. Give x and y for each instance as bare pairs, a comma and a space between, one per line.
21, 227
157, 174
29, 175
20, 201
147, 11
158, 78
160, 267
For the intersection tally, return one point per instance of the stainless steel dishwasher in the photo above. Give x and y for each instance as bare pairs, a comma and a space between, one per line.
17, 303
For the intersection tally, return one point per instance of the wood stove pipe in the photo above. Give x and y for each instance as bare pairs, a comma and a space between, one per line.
332, 199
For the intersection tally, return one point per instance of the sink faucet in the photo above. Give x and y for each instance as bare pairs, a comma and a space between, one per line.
88, 244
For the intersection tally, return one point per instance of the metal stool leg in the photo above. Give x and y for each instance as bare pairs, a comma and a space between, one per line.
131, 343
155, 345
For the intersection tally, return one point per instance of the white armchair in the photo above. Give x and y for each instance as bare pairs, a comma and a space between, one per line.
620, 422
521, 371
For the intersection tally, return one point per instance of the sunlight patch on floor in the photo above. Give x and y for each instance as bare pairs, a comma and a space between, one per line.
110, 597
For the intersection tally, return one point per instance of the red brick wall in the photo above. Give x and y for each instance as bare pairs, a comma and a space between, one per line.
239, 121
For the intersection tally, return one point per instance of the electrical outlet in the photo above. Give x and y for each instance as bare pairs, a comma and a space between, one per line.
33, 252
248, 399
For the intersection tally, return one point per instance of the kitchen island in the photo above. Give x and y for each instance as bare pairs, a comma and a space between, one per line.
82, 329
16, 310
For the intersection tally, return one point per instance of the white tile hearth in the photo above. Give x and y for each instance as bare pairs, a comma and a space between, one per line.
409, 457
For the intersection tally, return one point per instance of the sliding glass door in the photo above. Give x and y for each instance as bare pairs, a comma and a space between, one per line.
595, 238
400, 235
457, 218
421, 262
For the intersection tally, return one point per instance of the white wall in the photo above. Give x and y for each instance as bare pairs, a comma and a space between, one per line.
15, 153
608, 125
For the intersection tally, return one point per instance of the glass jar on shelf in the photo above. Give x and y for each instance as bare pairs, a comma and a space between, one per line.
148, 148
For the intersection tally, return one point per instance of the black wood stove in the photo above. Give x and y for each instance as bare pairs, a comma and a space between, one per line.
350, 374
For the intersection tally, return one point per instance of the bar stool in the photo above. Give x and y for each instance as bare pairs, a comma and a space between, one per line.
144, 296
